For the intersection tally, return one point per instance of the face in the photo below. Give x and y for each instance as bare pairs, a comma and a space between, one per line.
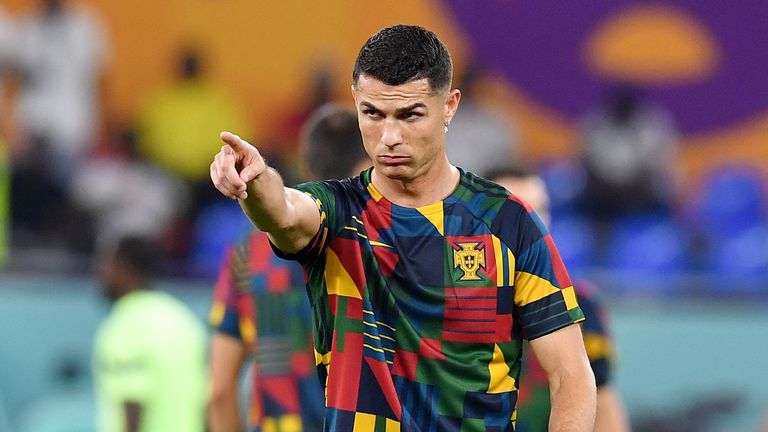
530, 189
403, 127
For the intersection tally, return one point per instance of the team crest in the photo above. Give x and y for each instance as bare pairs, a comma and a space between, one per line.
469, 259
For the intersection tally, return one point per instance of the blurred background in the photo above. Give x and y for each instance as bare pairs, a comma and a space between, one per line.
647, 120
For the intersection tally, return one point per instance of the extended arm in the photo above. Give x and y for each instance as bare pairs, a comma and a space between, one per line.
290, 217
571, 381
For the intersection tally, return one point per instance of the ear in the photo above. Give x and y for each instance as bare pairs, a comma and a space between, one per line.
451, 104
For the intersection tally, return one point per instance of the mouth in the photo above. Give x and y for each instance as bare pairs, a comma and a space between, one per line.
393, 159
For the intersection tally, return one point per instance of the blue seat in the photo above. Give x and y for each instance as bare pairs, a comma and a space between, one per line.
732, 200
575, 240
739, 263
649, 245
565, 180
217, 227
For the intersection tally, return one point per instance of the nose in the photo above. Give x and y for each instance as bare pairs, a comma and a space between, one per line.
391, 135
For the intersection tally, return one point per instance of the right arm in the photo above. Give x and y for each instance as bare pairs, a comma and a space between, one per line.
289, 217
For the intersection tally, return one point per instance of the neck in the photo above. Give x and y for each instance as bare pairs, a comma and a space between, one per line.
435, 184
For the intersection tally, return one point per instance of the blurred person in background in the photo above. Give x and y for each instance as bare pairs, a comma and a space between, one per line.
533, 414
175, 122
479, 138
630, 156
58, 55
260, 310
409, 330
150, 352
125, 194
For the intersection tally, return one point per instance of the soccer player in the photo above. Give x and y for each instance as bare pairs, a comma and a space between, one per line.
149, 355
534, 391
258, 293
423, 279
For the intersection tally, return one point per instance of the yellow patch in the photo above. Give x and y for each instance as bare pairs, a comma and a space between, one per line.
392, 426
364, 422
530, 288
469, 259
248, 332
434, 213
500, 381
499, 261
337, 279
597, 346
217, 314
375, 194
570, 298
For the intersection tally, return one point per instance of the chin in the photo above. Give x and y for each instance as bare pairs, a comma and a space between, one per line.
402, 173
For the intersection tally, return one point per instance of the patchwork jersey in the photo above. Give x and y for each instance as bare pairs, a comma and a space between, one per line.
534, 407
259, 300
419, 313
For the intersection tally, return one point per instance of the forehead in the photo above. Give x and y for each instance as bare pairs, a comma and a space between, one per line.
379, 93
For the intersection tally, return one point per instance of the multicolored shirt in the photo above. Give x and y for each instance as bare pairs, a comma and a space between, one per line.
259, 300
534, 388
419, 313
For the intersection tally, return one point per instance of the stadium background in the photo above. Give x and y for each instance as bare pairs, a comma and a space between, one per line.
693, 335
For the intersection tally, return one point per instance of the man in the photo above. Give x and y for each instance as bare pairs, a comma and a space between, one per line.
259, 293
423, 279
534, 391
149, 354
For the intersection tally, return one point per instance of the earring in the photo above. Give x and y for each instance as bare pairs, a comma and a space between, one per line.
445, 127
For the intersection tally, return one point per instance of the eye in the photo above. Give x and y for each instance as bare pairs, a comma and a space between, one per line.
411, 115
371, 112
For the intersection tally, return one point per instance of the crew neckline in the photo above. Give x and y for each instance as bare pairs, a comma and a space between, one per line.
428, 209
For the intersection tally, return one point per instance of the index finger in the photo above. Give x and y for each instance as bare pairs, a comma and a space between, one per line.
235, 142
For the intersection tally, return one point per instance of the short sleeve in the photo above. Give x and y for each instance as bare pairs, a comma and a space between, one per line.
232, 310
544, 296
329, 198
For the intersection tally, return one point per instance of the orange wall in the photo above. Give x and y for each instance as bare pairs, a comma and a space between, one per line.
261, 52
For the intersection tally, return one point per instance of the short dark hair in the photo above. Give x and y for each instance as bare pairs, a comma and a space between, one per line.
402, 53
514, 171
332, 143
140, 254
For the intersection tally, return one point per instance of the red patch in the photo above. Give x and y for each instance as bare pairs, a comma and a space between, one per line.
387, 260
281, 389
344, 373
431, 348
350, 256
279, 280
405, 364
561, 274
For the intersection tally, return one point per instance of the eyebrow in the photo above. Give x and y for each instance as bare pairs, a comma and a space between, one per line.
399, 110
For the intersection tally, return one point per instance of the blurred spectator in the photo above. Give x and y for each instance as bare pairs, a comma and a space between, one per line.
149, 356
533, 412
630, 154
59, 53
125, 194
179, 125
479, 139
260, 293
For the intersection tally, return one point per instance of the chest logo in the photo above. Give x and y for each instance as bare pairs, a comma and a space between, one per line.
469, 259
